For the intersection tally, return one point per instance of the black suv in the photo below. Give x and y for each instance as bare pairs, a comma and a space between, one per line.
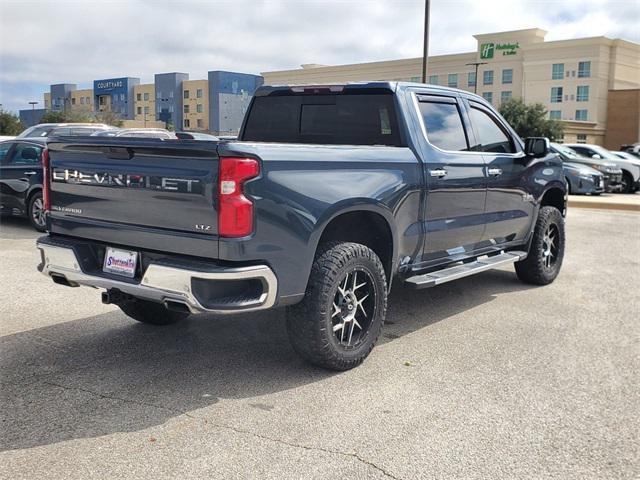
21, 179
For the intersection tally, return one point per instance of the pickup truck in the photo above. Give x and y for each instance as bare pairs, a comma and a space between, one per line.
329, 194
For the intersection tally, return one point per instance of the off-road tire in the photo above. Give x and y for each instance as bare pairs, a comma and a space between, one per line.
151, 312
309, 323
533, 268
36, 200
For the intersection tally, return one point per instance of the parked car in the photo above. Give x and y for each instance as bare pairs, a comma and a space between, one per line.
583, 180
6, 137
624, 155
329, 196
632, 149
612, 174
630, 168
138, 133
63, 129
196, 136
21, 179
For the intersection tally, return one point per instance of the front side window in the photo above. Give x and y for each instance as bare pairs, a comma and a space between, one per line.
507, 75
555, 115
488, 96
584, 69
556, 94
582, 93
490, 136
557, 71
487, 77
581, 114
471, 79
443, 124
433, 79
452, 80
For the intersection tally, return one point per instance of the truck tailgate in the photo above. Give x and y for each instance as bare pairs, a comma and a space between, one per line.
148, 184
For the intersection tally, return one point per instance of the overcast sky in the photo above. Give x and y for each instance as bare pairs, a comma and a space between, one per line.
45, 42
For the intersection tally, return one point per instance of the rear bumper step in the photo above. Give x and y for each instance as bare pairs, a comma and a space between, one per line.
459, 271
169, 285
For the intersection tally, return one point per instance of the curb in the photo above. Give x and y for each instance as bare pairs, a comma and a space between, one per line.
628, 207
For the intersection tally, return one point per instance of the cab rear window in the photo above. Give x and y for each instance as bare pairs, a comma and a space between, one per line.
324, 119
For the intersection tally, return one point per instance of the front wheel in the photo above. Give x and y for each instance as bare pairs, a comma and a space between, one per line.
341, 316
150, 312
627, 183
546, 253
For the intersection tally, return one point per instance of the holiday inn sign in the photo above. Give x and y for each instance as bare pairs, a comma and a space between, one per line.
487, 49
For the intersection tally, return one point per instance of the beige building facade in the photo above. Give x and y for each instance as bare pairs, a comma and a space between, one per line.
572, 78
195, 105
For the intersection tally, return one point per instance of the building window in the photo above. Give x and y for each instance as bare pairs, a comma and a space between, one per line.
581, 138
138, 97
505, 96
171, 94
200, 123
487, 77
146, 110
186, 108
187, 123
199, 108
581, 115
557, 71
555, 115
88, 100
471, 79
416, 79
122, 97
158, 95
73, 101
583, 93
584, 69
81, 100
488, 96
199, 93
433, 79
507, 75
146, 97
556, 94
186, 94
170, 108
139, 110
452, 80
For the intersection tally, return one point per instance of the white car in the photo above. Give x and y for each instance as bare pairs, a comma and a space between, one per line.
630, 167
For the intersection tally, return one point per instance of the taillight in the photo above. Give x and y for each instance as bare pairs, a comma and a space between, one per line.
235, 211
46, 181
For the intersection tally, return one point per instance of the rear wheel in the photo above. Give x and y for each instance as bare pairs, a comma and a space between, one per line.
341, 316
546, 253
151, 312
36, 212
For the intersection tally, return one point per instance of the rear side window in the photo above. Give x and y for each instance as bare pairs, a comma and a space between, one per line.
491, 137
444, 125
25, 153
324, 119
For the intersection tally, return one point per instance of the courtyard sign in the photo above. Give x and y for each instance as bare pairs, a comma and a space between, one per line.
487, 50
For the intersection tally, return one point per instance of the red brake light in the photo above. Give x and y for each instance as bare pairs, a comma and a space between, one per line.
46, 180
235, 211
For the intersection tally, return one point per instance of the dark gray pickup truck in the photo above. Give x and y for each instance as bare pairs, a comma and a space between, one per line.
329, 194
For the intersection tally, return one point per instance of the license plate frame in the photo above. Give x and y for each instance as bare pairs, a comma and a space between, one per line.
118, 261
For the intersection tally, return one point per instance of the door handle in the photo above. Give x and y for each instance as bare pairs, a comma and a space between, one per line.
438, 172
494, 172
29, 173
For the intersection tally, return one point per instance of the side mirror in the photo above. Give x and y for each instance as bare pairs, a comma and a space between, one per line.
537, 147
595, 155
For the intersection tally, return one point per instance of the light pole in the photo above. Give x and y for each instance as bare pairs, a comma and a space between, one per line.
477, 64
425, 45
33, 105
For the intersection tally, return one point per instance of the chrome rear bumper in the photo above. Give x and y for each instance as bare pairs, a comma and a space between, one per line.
162, 283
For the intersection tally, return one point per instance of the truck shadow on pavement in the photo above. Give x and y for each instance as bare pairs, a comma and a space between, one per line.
105, 374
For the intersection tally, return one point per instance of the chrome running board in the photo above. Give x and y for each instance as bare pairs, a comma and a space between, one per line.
481, 264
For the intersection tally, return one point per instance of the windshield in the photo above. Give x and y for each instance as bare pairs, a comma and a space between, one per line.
566, 151
35, 132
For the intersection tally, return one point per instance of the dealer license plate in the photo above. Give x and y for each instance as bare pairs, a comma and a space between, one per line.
120, 262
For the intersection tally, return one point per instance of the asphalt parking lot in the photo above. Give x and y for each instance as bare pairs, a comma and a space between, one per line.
480, 378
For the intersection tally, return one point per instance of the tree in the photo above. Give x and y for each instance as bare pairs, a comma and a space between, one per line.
81, 116
530, 120
10, 124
